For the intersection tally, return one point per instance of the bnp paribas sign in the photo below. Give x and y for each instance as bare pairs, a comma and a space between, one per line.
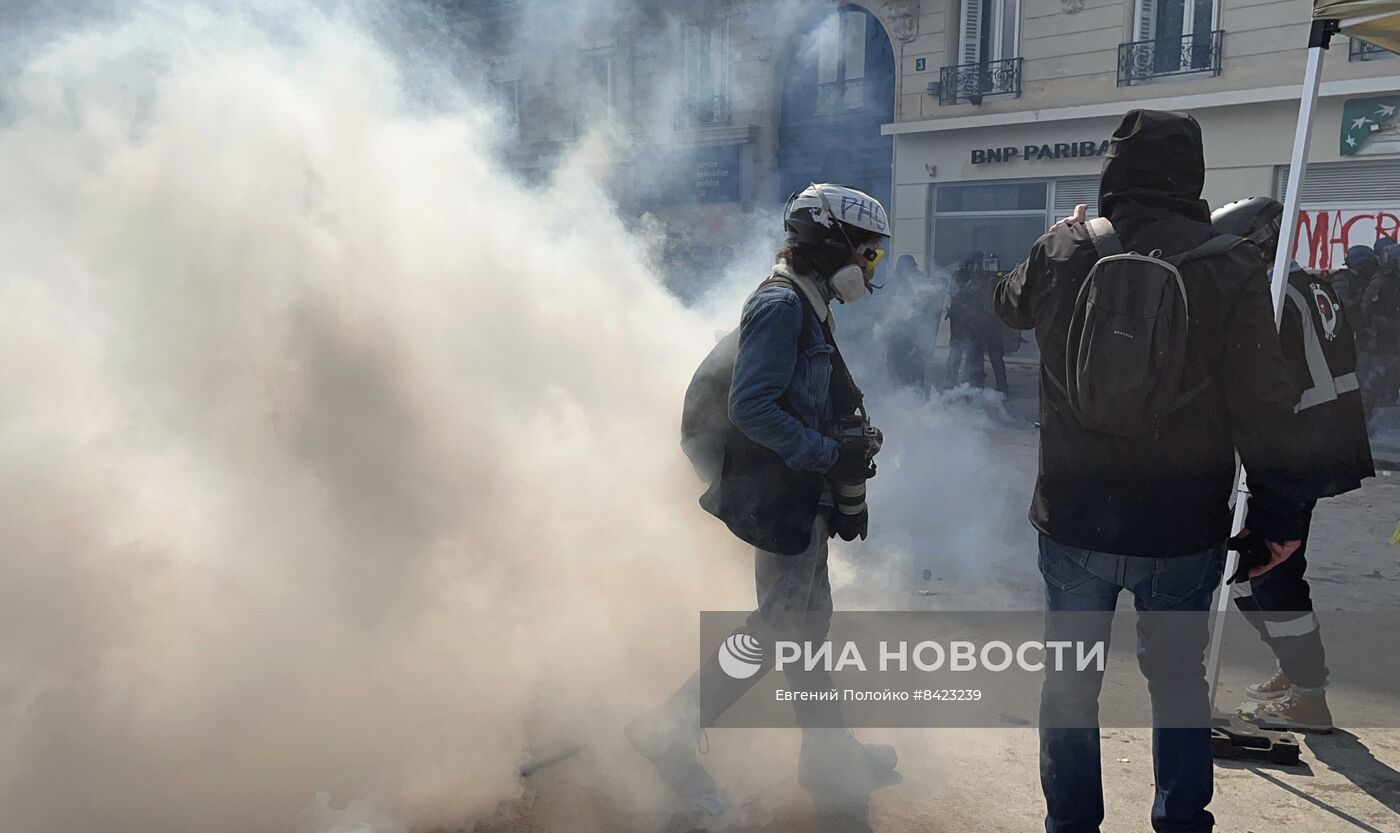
1039, 153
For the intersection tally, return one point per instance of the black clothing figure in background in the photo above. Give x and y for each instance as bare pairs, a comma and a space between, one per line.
1350, 282
988, 327
905, 358
964, 344
975, 332
1328, 435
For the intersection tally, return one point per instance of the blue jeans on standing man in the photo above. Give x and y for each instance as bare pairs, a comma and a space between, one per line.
1173, 663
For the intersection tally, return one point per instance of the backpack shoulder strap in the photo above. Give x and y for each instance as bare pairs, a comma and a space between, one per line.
1105, 238
1218, 245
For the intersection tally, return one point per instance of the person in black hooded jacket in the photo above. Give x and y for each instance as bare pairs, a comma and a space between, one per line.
1151, 513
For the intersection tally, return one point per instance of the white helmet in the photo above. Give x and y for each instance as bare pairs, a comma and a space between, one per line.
822, 203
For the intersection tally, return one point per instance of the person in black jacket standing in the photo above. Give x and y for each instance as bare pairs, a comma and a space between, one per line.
1328, 436
1151, 513
964, 345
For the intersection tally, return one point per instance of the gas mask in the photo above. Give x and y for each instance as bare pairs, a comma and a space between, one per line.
851, 282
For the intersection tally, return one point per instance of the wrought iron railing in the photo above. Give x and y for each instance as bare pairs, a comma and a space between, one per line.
702, 112
1363, 51
1144, 60
973, 82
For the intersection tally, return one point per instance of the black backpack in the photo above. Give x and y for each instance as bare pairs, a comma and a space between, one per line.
750, 488
1125, 353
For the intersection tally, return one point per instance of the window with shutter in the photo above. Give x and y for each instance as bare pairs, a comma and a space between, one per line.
1179, 33
970, 35
705, 60
990, 31
1146, 20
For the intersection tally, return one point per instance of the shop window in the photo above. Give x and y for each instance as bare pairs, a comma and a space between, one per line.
997, 219
992, 196
993, 224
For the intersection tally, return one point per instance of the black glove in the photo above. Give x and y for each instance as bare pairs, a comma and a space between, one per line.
1253, 550
850, 526
853, 462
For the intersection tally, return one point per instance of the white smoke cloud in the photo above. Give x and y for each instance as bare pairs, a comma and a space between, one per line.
329, 450
336, 465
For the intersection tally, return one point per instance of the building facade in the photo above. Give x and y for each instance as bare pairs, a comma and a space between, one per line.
1003, 120
980, 121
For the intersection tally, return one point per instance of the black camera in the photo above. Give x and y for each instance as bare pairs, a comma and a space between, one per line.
855, 432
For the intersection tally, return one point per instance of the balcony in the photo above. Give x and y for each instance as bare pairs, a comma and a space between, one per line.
1363, 51
694, 113
1147, 60
972, 82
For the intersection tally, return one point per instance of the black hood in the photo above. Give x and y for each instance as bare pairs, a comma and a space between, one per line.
1156, 164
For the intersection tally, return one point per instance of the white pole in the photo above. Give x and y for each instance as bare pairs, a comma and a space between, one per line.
1297, 168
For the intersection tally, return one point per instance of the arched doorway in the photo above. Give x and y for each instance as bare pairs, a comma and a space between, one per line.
837, 89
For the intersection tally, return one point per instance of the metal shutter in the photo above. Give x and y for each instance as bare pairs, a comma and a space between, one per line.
1335, 184
1072, 191
1146, 20
970, 34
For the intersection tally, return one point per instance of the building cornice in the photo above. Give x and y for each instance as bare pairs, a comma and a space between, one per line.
1198, 101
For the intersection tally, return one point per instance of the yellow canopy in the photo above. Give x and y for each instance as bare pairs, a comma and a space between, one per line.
1374, 21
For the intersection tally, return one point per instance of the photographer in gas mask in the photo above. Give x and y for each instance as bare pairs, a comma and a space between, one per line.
793, 459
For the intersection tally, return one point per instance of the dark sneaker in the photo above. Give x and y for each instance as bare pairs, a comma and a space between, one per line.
1277, 687
670, 746
1303, 711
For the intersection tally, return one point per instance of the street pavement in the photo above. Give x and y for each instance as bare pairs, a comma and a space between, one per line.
986, 780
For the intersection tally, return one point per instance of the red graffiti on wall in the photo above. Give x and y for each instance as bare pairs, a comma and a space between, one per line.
1323, 237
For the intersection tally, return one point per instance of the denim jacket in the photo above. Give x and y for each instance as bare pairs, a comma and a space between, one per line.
780, 397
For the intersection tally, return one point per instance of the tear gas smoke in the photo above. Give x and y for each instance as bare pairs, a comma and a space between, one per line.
333, 459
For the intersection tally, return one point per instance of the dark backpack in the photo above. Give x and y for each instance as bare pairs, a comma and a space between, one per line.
705, 425
750, 488
1125, 353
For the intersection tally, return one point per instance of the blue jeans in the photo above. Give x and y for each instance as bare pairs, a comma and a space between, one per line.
1174, 665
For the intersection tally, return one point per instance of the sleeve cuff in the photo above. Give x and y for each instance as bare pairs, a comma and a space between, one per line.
1276, 526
